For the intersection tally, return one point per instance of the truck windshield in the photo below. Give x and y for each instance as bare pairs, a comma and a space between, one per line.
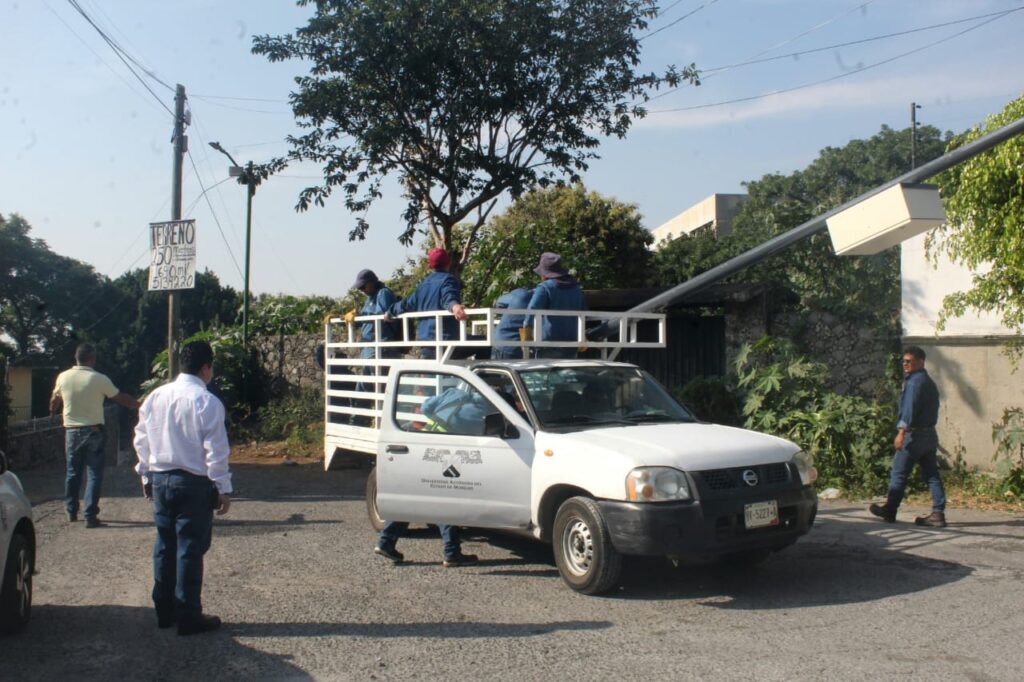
598, 396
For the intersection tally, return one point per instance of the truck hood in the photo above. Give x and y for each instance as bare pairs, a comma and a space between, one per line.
690, 447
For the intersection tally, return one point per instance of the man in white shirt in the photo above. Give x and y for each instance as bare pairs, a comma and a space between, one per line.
78, 395
183, 461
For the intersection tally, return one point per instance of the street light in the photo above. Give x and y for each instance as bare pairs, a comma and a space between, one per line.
248, 178
914, 106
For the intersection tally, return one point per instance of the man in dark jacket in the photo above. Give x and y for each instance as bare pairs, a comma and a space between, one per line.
510, 324
558, 290
439, 291
916, 442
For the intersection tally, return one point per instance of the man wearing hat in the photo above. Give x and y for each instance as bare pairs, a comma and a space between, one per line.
439, 291
558, 290
378, 299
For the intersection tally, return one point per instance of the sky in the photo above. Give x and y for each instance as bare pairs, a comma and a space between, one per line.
86, 158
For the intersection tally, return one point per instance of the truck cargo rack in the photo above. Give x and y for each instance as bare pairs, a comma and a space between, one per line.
356, 373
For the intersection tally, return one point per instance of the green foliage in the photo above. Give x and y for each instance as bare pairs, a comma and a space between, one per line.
297, 417
463, 100
784, 394
601, 240
714, 399
984, 201
1008, 436
287, 315
238, 379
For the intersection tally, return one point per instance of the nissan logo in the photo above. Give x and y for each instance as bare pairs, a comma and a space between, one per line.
750, 477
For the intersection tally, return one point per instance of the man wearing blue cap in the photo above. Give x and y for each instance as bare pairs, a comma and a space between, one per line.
378, 299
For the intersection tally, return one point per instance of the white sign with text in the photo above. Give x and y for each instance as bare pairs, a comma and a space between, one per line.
172, 255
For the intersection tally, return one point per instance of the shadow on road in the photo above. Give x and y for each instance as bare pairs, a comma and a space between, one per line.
474, 630
123, 642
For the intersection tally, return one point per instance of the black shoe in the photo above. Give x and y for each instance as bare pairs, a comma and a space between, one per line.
204, 624
460, 559
933, 520
164, 622
72, 516
392, 554
94, 523
883, 512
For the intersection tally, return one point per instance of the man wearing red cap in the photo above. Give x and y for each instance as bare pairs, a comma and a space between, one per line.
439, 291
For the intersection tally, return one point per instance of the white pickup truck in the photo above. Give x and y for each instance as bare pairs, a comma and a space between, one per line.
591, 455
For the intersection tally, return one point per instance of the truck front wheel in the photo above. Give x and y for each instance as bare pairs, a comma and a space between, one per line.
371, 501
584, 553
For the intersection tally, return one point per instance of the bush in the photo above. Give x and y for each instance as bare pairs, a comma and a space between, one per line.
297, 417
784, 394
1008, 436
713, 399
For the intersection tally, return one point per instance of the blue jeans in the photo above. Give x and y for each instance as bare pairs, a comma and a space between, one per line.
507, 353
393, 530
183, 511
84, 449
919, 447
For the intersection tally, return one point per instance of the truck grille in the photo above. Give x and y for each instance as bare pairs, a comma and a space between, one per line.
732, 479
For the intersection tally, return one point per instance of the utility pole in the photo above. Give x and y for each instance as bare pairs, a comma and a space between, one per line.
180, 142
914, 106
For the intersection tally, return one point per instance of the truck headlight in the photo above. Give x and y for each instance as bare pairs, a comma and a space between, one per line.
656, 484
805, 465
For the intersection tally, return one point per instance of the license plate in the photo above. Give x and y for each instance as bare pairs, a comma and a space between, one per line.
761, 514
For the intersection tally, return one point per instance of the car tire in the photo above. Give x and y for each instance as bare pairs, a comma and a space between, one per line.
586, 559
16, 591
371, 501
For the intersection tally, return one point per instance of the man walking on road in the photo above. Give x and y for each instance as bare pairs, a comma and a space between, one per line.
79, 394
916, 442
183, 461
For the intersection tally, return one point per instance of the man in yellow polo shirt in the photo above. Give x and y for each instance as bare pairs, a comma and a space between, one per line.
82, 389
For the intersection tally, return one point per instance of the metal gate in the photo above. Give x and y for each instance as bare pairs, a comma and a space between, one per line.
695, 348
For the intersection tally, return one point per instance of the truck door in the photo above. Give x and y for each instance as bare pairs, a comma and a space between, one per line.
436, 464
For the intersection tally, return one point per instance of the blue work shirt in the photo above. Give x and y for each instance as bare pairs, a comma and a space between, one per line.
439, 291
508, 327
378, 303
458, 411
563, 293
919, 402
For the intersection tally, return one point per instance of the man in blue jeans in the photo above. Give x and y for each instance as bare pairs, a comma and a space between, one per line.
183, 461
79, 393
916, 442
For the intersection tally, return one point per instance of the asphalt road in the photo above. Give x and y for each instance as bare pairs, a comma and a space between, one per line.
292, 574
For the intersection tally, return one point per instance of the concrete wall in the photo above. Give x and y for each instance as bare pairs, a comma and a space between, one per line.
976, 379
290, 361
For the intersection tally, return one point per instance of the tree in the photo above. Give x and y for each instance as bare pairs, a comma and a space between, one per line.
602, 240
984, 201
865, 287
48, 301
462, 99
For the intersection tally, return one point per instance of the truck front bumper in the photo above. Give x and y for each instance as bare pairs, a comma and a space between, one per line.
703, 530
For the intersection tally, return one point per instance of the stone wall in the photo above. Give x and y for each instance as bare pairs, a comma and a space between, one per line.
290, 361
43, 447
861, 360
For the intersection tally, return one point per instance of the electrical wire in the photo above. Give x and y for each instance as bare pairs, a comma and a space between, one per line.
124, 58
673, 23
214, 214
861, 69
714, 71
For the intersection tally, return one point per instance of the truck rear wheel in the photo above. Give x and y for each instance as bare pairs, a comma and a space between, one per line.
586, 559
371, 501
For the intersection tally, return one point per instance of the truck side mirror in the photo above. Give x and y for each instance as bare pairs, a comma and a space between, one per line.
495, 424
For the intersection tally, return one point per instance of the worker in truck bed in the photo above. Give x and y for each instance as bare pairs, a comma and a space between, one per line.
439, 291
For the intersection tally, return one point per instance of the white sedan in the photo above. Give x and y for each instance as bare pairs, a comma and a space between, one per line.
17, 552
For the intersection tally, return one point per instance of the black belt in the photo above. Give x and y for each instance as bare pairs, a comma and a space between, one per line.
94, 427
920, 428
